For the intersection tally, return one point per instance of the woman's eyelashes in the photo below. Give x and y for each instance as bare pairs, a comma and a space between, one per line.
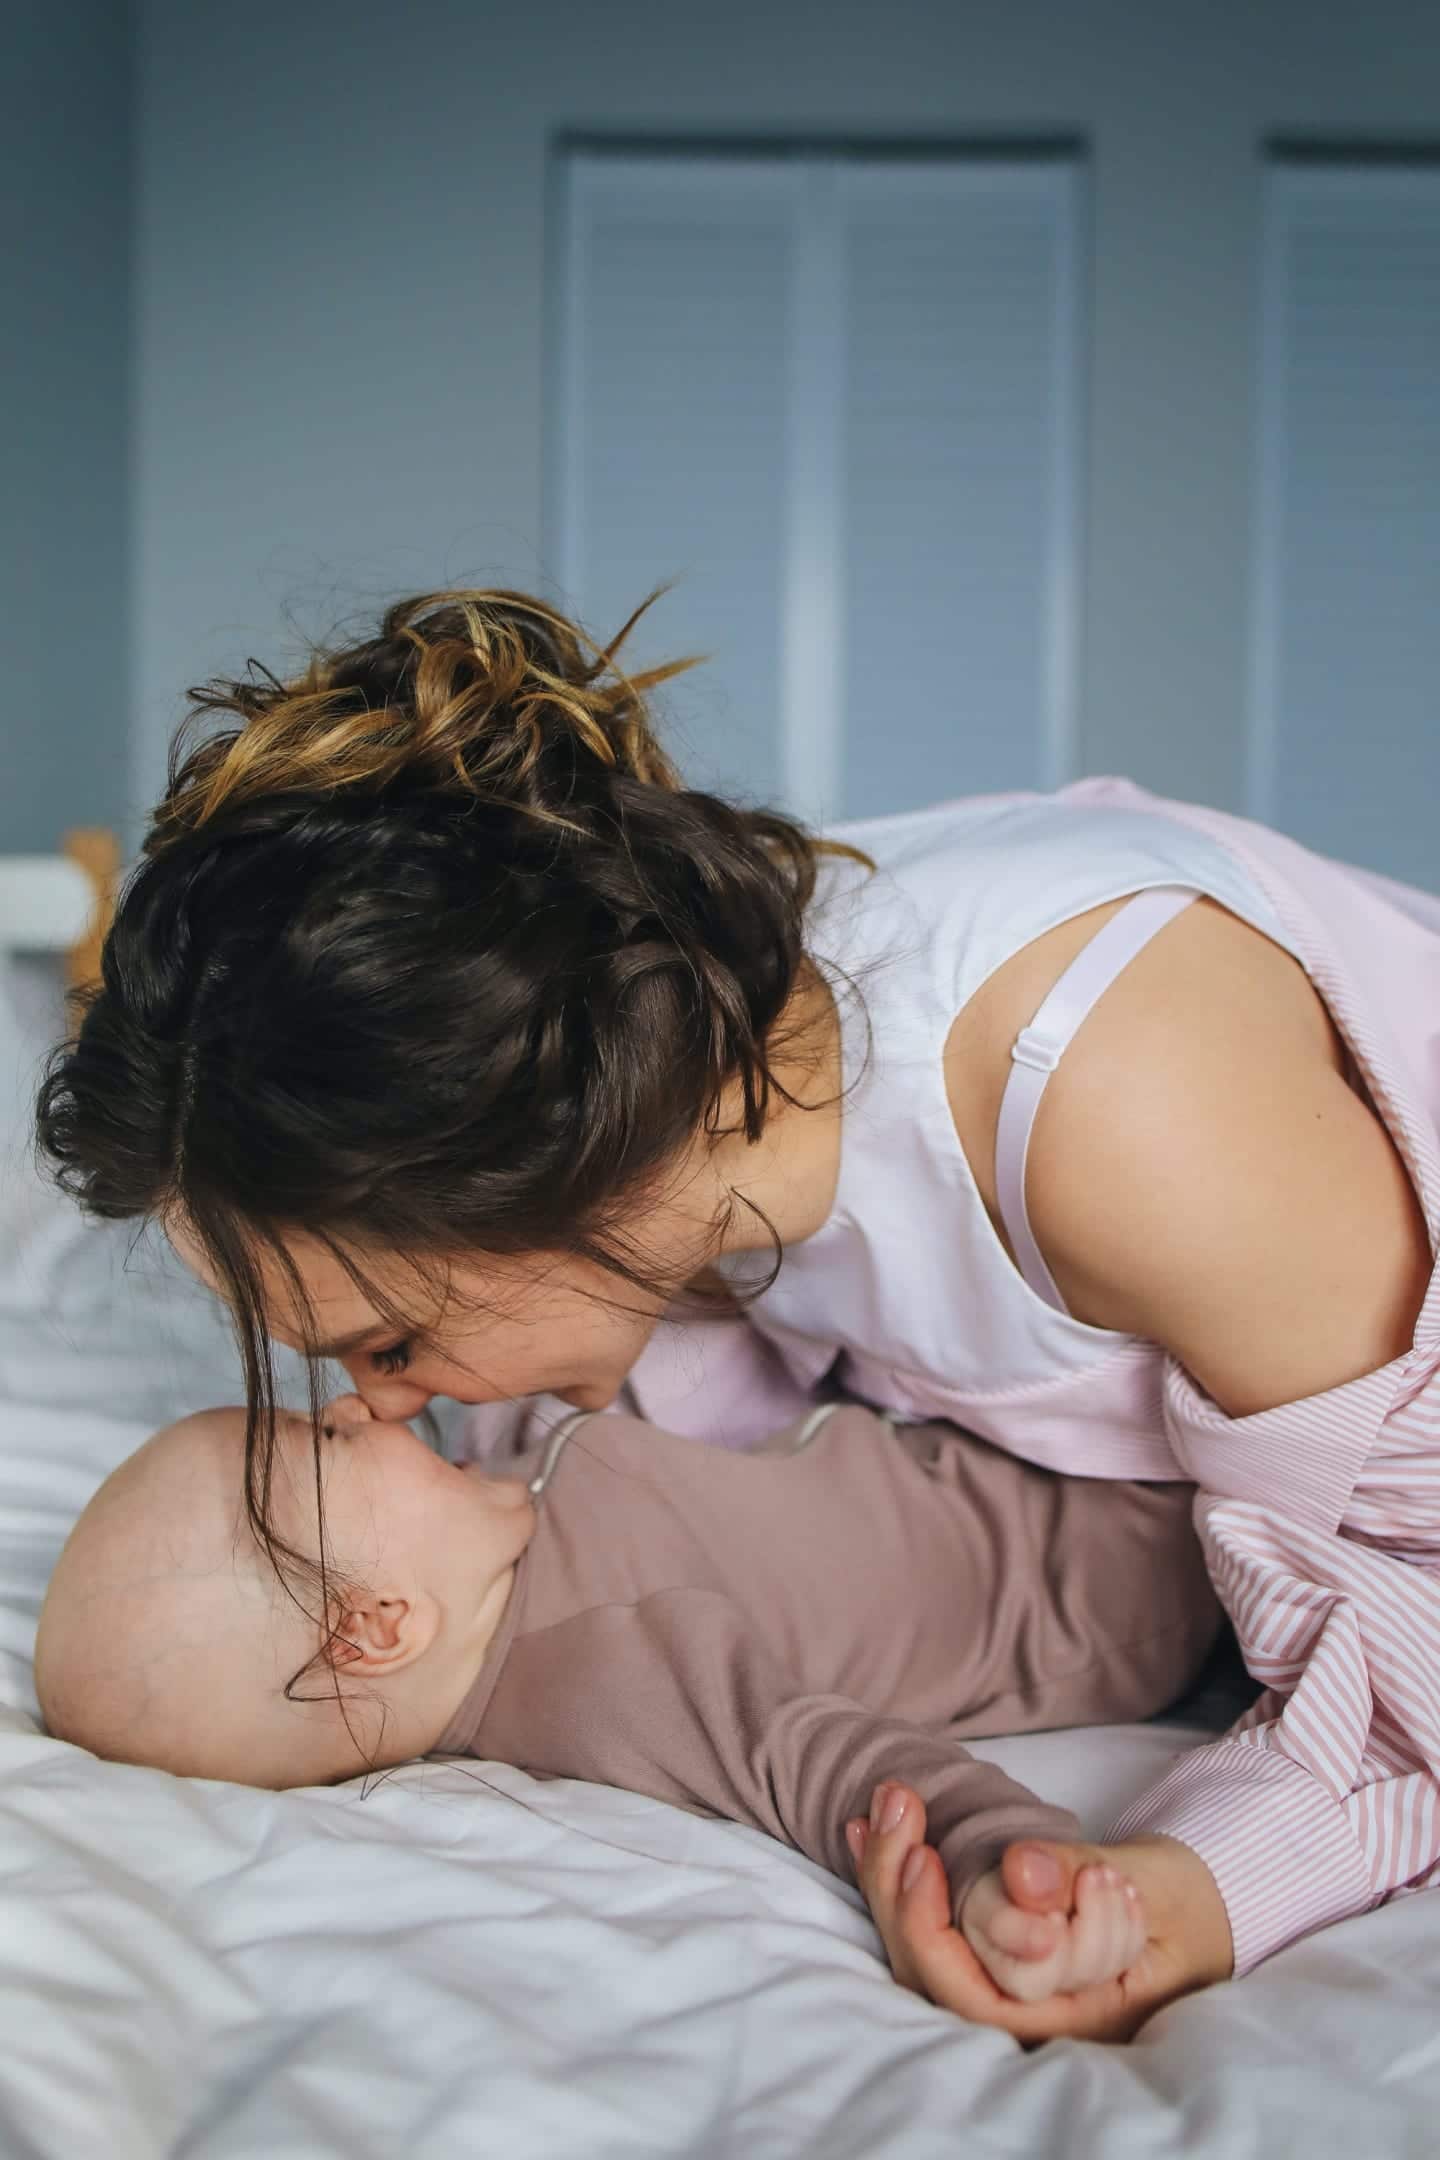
392, 1361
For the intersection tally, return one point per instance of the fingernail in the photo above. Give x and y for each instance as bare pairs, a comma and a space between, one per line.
1132, 1893
1043, 1869
1109, 1877
894, 1810
877, 1805
852, 1839
910, 1873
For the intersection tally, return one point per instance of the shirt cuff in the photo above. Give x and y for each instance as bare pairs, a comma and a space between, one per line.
1279, 1846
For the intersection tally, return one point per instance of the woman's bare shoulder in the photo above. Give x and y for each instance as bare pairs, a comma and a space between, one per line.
1201, 1173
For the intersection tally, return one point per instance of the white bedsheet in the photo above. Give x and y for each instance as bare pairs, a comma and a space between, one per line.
464, 1961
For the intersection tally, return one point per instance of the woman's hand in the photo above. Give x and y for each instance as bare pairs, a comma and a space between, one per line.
1187, 1931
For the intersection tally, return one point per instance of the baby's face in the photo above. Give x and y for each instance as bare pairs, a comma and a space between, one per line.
168, 1639
393, 1506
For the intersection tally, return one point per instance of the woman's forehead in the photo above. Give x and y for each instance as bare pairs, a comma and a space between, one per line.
338, 1314
338, 1306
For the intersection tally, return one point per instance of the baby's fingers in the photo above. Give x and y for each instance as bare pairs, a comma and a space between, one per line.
1022, 1979
992, 1921
1026, 1936
1107, 1934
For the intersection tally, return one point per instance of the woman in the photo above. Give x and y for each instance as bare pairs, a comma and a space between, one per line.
448, 1035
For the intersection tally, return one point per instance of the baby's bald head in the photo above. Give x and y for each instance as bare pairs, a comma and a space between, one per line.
167, 1637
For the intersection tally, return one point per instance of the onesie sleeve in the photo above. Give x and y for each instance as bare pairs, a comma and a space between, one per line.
675, 1697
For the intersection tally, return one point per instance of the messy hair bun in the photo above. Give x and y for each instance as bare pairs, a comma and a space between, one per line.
430, 953
488, 695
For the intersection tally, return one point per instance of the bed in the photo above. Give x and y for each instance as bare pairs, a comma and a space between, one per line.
460, 1959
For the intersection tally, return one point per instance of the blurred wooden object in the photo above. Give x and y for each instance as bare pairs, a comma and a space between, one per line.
96, 852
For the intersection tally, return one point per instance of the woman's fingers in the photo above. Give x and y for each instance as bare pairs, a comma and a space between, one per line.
927, 1952
906, 1888
895, 1829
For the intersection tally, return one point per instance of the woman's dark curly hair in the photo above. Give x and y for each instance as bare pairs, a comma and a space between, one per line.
430, 953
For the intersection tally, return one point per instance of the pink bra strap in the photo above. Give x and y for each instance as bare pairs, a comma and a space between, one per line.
1039, 1048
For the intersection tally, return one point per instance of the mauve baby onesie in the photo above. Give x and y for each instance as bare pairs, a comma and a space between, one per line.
766, 1636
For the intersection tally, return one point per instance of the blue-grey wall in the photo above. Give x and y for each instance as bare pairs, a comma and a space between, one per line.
338, 301
65, 212
341, 286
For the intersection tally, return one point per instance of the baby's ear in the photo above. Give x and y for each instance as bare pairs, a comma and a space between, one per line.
380, 1632
341, 1650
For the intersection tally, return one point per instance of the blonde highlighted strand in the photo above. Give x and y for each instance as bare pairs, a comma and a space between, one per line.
463, 691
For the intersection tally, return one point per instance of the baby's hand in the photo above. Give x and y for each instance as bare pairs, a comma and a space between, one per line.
1035, 1955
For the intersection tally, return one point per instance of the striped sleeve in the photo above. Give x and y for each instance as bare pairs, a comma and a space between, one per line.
1324, 1800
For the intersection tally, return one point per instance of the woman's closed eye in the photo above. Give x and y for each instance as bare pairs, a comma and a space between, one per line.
391, 1361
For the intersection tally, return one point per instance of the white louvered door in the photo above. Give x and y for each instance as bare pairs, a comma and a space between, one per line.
837, 398
962, 436
1345, 679
669, 431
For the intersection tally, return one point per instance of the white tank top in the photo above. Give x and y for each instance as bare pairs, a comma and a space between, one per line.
906, 1296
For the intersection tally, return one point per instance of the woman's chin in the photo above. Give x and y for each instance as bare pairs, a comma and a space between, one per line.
591, 1395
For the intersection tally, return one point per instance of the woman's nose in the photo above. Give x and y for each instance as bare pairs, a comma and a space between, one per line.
349, 1410
391, 1402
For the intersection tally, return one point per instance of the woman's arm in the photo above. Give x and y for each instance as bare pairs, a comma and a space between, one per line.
1202, 1175
1238, 1203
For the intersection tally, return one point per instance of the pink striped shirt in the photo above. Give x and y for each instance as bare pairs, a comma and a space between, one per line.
1324, 1541
1320, 1519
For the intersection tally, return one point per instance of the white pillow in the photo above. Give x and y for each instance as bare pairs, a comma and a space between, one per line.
93, 1316
32, 1016
50, 1463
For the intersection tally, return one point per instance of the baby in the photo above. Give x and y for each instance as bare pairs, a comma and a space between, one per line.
767, 1637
